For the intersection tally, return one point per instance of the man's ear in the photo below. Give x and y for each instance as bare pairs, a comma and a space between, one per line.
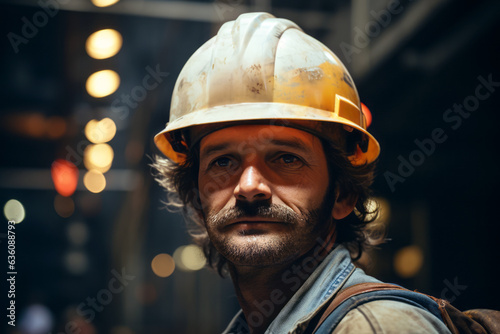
344, 205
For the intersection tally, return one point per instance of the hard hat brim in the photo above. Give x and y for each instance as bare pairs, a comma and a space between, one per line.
259, 111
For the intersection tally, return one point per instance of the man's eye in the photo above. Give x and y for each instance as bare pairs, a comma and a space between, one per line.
290, 160
222, 162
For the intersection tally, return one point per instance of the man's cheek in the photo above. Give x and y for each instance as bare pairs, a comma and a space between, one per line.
213, 199
209, 185
208, 191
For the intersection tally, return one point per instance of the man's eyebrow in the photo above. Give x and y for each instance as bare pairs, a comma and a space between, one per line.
212, 149
293, 142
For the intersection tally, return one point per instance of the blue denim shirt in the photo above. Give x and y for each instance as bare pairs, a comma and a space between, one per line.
334, 273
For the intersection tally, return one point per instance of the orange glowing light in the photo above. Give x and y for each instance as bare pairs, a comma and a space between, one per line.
163, 265
367, 113
56, 127
65, 177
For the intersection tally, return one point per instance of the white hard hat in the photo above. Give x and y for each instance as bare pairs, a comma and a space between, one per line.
259, 67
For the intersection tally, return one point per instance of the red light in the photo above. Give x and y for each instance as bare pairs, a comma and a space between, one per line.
65, 177
367, 113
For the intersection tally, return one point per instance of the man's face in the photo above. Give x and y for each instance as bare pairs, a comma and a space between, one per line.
262, 190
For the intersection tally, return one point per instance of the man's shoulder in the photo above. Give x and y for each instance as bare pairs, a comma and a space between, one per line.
389, 316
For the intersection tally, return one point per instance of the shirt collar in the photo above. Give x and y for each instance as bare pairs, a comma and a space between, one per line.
324, 282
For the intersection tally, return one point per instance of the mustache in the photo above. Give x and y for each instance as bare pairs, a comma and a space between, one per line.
255, 209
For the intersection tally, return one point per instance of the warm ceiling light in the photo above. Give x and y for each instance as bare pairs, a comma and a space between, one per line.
408, 261
98, 157
94, 181
103, 83
100, 131
163, 265
104, 3
104, 44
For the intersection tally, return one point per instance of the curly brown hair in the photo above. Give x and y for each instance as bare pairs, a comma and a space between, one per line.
356, 232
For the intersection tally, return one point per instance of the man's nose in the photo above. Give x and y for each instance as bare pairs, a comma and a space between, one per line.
252, 186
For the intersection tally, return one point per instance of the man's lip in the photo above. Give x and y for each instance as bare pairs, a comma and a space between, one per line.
254, 220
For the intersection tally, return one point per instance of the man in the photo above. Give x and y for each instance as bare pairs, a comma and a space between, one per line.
269, 154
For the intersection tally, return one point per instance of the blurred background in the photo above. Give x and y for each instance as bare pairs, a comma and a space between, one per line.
85, 84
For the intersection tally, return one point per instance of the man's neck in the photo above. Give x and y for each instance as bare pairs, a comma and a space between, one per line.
263, 291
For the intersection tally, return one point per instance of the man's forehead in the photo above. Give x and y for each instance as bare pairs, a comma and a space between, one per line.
242, 136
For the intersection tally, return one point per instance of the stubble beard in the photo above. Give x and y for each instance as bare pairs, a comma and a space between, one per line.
262, 250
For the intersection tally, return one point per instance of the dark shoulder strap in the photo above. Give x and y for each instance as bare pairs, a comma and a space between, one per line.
353, 291
488, 319
469, 322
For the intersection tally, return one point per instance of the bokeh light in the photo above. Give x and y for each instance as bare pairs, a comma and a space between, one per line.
94, 181
56, 127
146, 293
163, 265
77, 233
104, 44
76, 262
102, 131
14, 210
64, 206
189, 258
408, 261
384, 210
34, 125
98, 157
102, 83
65, 177
367, 113
36, 318
104, 3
